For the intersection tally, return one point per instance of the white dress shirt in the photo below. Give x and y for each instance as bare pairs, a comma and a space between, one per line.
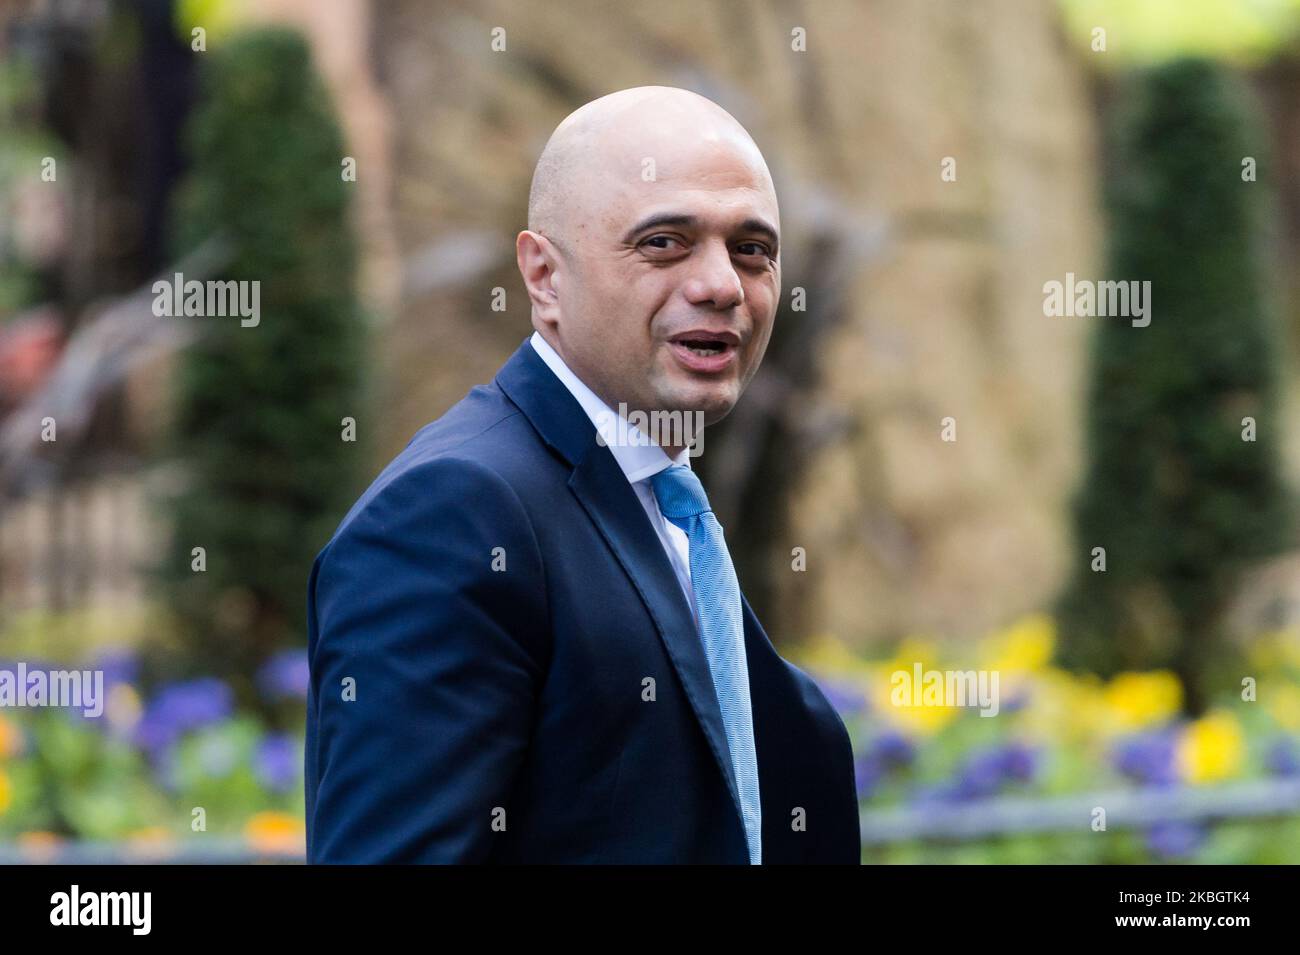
639, 459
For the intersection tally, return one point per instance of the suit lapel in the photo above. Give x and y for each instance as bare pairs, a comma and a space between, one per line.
603, 491
605, 494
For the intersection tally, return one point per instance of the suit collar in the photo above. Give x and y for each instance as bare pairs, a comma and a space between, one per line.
638, 457
554, 413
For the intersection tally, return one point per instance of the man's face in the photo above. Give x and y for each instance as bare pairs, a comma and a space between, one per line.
668, 288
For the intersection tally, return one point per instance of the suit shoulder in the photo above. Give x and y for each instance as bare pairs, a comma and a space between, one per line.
460, 459
815, 699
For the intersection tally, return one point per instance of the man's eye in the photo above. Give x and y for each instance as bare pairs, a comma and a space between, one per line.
757, 248
660, 240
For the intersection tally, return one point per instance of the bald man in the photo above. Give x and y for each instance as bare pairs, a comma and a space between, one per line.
527, 639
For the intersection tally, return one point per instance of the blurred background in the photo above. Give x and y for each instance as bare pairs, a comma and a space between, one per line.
928, 469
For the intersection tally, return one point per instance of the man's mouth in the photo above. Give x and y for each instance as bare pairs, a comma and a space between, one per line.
707, 351
701, 347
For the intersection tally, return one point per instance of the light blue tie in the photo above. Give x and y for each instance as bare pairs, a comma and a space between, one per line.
682, 500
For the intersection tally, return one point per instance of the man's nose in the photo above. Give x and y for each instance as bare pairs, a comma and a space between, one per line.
713, 280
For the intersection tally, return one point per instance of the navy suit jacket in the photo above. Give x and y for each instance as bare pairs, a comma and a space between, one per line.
484, 627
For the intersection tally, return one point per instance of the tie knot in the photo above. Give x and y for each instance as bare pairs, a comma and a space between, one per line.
679, 492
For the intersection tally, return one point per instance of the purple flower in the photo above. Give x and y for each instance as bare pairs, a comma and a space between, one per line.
180, 708
1283, 757
980, 776
285, 676
867, 773
1174, 839
277, 762
1148, 758
986, 772
893, 749
1017, 702
119, 665
1019, 762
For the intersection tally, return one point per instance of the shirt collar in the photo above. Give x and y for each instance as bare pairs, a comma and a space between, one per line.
637, 456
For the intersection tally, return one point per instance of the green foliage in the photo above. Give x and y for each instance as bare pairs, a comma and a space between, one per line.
1181, 503
260, 408
77, 778
22, 148
82, 782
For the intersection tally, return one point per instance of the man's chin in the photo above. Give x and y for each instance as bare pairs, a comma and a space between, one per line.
712, 404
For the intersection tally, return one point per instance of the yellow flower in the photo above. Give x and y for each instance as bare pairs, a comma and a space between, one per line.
276, 832
910, 651
902, 704
6, 792
1211, 748
1140, 699
1025, 647
1068, 706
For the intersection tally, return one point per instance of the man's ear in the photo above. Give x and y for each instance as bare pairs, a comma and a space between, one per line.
538, 259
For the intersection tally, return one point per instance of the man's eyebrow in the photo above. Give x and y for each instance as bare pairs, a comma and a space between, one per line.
661, 218
691, 222
762, 228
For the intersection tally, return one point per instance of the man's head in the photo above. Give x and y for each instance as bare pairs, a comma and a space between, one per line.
652, 220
